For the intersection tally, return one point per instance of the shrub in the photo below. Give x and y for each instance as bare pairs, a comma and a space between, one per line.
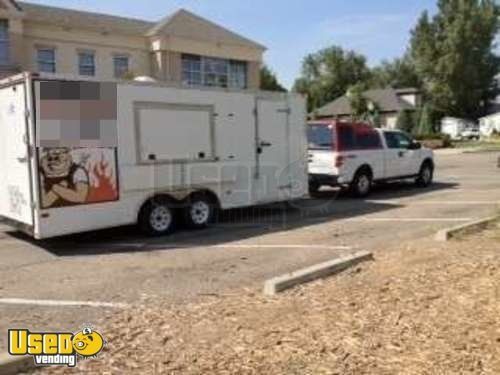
444, 140
406, 121
425, 121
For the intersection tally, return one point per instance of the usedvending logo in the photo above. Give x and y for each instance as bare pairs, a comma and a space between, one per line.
56, 349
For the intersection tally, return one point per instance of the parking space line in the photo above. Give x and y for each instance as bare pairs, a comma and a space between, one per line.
438, 202
411, 219
234, 246
279, 246
56, 303
470, 177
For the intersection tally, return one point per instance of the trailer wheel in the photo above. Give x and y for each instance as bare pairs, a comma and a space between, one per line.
199, 211
157, 217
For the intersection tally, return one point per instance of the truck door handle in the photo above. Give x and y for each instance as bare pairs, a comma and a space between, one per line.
265, 144
402, 154
23, 159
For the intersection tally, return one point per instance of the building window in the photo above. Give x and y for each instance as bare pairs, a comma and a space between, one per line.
121, 66
238, 74
46, 60
86, 63
4, 42
213, 72
191, 70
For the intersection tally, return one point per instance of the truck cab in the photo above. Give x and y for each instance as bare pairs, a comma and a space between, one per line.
358, 155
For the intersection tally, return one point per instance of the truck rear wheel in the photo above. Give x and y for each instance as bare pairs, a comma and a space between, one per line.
200, 211
157, 217
361, 186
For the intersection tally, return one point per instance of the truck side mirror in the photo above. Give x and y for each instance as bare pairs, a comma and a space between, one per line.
415, 145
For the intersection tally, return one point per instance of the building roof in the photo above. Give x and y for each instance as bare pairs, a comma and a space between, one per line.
14, 4
172, 24
77, 18
108, 23
388, 100
407, 90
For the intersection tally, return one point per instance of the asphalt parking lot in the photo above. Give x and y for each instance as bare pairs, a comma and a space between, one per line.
242, 250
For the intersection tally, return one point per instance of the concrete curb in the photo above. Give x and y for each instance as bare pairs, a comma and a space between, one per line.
447, 234
284, 282
11, 365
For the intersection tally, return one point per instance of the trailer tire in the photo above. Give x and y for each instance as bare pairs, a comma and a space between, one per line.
158, 217
199, 211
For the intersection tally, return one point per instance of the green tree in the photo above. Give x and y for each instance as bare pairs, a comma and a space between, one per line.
453, 54
426, 120
358, 102
363, 109
328, 73
269, 81
406, 121
399, 73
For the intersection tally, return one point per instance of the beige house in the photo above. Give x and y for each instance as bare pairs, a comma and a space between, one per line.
181, 49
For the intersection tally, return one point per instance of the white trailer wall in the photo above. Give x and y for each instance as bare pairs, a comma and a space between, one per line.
233, 142
247, 148
15, 175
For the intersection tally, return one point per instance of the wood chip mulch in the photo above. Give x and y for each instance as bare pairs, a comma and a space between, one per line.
423, 309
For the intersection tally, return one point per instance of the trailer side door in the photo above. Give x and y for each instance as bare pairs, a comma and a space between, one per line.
15, 182
272, 143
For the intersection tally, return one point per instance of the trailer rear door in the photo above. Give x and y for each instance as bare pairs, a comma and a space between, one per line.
15, 181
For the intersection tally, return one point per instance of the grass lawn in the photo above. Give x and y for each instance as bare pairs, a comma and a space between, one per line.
493, 144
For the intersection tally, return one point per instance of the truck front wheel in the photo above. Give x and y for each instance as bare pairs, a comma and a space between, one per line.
426, 175
157, 217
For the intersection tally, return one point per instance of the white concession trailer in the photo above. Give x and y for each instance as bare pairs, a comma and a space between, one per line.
78, 156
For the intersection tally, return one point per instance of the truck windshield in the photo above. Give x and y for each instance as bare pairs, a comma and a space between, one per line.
320, 137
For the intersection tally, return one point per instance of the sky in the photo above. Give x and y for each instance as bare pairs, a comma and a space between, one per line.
290, 29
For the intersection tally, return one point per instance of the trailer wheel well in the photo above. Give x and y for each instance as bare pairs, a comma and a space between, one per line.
208, 193
180, 203
152, 199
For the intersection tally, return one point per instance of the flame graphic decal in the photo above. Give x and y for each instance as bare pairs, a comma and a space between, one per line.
102, 182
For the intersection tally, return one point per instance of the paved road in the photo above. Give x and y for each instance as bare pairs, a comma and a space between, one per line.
243, 249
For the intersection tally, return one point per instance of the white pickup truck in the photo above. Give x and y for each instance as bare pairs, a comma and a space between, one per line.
358, 155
